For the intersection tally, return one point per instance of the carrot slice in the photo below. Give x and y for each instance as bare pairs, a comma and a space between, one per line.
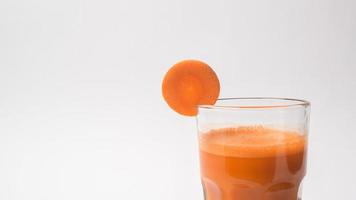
190, 83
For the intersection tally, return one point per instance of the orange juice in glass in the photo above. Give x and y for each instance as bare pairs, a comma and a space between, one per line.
253, 148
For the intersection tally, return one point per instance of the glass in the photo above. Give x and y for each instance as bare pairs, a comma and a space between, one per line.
253, 148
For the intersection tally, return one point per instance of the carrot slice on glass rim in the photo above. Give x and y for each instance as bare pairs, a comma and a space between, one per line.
190, 83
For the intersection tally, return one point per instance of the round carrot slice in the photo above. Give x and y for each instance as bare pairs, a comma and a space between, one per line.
190, 83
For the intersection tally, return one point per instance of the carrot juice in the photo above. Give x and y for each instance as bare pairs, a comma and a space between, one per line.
252, 163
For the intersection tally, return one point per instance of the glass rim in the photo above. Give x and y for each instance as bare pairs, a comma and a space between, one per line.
284, 103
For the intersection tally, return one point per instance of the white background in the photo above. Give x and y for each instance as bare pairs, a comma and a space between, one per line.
81, 112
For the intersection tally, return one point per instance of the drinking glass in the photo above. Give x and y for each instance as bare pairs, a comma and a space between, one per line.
253, 148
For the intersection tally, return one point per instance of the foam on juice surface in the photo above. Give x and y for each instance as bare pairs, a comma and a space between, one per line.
251, 141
